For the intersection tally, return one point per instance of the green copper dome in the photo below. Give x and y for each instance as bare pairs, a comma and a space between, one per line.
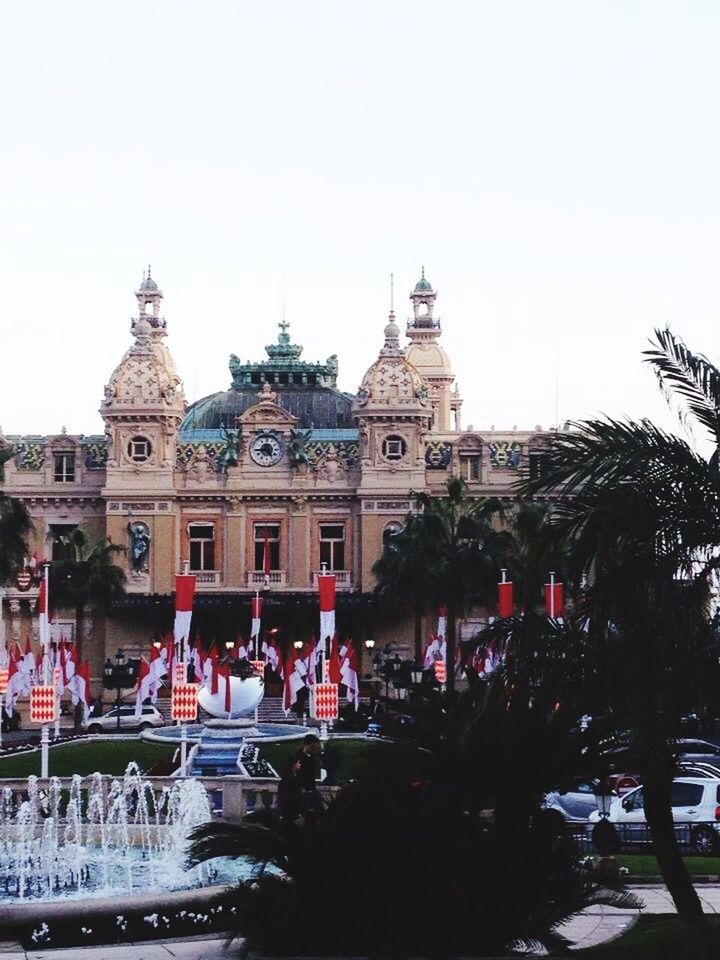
422, 283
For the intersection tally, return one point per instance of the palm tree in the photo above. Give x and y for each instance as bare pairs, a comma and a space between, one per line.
86, 577
641, 509
448, 553
535, 553
15, 525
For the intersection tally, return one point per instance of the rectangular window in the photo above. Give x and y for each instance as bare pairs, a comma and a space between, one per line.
202, 546
59, 550
267, 533
332, 545
538, 465
64, 467
470, 467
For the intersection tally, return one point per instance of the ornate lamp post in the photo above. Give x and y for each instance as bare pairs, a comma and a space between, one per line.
119, 674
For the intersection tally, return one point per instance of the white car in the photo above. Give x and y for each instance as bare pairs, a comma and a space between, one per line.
695, 806
150, 717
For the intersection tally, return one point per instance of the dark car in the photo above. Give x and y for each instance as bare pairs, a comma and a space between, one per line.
397, 727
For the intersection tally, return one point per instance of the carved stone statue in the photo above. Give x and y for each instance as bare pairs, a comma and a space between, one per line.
331, 468
201, 465
139, 546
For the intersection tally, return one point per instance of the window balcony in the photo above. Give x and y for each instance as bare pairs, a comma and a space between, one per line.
207, 578
343, 578
257, 579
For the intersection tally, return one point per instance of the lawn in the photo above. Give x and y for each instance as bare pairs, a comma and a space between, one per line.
344, 759
643, 865
88, 756
651, 938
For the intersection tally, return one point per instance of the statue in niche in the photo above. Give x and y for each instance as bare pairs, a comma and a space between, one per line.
297, 451
331, 468
201, 465
139, 546
231, 452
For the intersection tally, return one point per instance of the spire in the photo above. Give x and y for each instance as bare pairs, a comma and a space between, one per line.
392, 338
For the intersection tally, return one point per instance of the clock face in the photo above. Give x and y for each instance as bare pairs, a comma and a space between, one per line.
266, 449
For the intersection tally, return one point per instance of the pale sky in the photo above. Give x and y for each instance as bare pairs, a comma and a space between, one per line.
554, 165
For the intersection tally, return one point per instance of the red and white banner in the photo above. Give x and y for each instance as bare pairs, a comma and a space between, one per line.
43, 623
183, 704
79, 687
43, 704
555, 600
293, 673
326, 590
4, 677
256, 614
349, 673
442, 623
505, 599
184, 596
179, 673
324, 701
258, 666
272, 653
145, 686
440, 671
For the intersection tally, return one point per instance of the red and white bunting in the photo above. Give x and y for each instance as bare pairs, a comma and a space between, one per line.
183, 704
179, 674
184, 596
43, 704
324, 701
326, 590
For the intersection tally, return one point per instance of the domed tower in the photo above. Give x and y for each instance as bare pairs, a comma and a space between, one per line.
428, 357
143, 405
393, 414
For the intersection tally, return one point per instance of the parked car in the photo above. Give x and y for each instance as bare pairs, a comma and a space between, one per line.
691, 749
575, 799
398, 727
695, 802
698, 768
150, 717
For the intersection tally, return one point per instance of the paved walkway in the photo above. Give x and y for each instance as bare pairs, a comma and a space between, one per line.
594, 925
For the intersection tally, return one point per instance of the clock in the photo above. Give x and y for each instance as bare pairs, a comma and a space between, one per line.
266, 449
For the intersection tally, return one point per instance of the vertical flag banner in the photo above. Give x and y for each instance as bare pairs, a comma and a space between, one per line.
505, 599
43, 622
326, 589
442, 623
184, 596
256, 614
554, 600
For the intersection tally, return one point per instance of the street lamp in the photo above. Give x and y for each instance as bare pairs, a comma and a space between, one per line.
298, 644
416, 674
603, 798
369, 644
119, 674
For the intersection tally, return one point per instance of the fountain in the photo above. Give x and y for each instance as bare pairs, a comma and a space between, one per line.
98, 838
227, 744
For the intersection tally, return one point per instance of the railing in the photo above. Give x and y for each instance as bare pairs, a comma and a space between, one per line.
231, 797
343, 578
701, 837
276, 578
207, 578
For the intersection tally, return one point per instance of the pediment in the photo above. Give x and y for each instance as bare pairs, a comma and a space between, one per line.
267, 413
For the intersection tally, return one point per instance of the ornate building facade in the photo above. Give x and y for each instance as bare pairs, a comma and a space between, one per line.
281, 470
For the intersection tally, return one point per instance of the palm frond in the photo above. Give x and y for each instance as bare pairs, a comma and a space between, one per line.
689, 376
258, 843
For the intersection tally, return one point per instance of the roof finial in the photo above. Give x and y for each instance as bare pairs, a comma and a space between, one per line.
392, 293
423, 271
150, 274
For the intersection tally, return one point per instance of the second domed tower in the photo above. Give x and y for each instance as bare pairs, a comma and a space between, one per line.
429, 358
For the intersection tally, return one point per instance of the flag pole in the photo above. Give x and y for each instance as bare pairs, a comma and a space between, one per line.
45, 733
257, 635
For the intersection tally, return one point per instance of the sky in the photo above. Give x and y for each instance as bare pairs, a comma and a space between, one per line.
554, 166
